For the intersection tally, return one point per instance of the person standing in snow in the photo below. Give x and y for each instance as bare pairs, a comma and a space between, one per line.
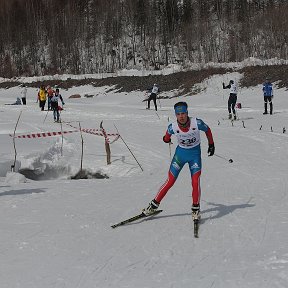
232, 98
153, 96
42, 97
50, 93
54, 105
187, 132
24, 93
268, 95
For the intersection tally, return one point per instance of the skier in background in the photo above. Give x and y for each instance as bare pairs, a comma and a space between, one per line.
154, 91
232, 98
187, 132
268, 95
54, 105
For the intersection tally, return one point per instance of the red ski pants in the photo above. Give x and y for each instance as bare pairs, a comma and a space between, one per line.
196, 191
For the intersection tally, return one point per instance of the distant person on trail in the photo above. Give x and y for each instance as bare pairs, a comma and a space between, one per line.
42, 97
232, 98
18, 102
153, 96
24, 93
187, 132
54, 105
268, 95
50, 93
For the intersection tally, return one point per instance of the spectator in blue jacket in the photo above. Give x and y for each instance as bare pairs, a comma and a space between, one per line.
268, 95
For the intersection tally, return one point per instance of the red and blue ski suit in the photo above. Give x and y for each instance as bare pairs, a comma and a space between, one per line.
187, 151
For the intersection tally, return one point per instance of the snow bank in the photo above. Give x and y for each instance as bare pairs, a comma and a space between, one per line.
15, 178
5, 166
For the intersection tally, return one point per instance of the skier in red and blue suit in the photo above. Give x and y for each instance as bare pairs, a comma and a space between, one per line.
187, 131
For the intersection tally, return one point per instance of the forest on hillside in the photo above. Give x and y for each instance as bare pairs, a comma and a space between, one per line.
40, 37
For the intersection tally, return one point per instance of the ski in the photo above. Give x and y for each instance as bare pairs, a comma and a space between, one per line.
196, 228
134, 218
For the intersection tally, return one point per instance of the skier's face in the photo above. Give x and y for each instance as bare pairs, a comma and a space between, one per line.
182, 117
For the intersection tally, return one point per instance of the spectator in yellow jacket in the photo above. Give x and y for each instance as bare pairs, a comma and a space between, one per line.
42, 97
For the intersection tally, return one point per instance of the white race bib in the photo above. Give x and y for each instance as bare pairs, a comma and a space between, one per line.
188, 139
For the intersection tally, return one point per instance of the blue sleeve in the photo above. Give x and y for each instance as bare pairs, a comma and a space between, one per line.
202, 126
170, 130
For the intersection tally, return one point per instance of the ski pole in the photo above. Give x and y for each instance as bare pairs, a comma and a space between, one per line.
14, 164
45, 116
128, 148
157, 115
224, 158
169, 142
159, 102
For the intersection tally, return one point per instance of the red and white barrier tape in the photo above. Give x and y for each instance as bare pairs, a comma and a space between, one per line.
105, 135
42, 134
99, 132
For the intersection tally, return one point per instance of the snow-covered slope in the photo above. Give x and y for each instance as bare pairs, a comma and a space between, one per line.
56, 232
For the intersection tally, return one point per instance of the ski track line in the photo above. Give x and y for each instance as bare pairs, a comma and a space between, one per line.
87, 275
248, 235
266, 218
33, 126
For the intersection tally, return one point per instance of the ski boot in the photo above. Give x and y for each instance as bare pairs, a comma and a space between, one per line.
196, 212
152, 207
230, 116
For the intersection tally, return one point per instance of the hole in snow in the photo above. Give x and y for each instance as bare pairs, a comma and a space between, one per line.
85, 174
47, 173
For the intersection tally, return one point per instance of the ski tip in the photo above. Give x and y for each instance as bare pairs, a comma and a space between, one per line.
137, 217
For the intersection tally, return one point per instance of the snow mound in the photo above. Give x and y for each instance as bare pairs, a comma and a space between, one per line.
15, 178
49, 164
5, 167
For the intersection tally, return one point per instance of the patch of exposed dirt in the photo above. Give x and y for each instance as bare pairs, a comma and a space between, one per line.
257, 75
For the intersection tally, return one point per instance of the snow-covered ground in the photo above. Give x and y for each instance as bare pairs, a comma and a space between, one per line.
56, 232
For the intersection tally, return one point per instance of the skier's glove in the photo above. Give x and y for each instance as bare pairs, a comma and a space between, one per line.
166, 140
211, 149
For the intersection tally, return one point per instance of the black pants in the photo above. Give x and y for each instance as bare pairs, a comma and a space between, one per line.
23, 100
152, 97
42, 104
231, 103
266, 100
